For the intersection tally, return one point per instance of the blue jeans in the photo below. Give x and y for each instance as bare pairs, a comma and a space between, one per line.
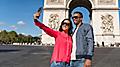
77, 63
59, 64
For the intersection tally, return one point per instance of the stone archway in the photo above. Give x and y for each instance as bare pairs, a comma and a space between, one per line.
72, 4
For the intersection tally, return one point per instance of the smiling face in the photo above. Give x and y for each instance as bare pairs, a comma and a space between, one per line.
65, 25
77, 18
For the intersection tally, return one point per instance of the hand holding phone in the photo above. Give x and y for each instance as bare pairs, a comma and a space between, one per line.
39, 11
37, 14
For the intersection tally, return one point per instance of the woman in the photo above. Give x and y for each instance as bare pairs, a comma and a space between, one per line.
63, 41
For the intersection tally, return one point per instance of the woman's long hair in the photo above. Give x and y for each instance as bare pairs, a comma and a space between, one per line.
70, 28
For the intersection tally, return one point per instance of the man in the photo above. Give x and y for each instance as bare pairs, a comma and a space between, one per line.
83, 43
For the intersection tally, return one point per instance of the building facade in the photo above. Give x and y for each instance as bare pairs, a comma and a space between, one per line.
103, 14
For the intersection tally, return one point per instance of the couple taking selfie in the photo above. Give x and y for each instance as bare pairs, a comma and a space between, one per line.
71, 49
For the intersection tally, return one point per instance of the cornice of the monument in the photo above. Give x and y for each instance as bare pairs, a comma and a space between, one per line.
55, 8
105, 8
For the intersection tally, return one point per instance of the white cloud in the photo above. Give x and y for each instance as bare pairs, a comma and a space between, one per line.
13, 27
21, 23
2, 23
23, 33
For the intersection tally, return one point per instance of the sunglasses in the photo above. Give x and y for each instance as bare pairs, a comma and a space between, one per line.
68, 24
76, 17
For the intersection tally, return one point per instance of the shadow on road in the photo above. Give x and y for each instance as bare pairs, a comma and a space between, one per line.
8, 50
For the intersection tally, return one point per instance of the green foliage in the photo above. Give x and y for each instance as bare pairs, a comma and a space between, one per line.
12, 37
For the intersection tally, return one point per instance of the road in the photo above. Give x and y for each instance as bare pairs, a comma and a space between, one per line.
38, 56
106, 57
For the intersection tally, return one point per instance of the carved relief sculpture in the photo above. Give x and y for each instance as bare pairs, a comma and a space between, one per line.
55, 2
106, 2
54, 21
107, 23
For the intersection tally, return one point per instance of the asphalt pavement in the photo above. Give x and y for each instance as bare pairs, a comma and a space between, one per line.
39, 56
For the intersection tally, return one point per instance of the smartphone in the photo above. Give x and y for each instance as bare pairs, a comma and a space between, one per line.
39, 10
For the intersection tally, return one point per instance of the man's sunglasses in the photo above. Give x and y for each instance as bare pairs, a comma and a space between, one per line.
76, 17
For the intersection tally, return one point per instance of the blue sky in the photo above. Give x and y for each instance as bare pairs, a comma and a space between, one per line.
17, 15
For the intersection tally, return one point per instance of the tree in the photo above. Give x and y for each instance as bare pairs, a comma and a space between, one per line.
20, 38
13, 36
4, 38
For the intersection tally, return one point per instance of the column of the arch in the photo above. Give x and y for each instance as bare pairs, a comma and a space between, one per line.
105, 14
67, 13
54, 12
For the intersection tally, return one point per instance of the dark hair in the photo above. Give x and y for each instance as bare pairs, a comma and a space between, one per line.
78, 13
70, 29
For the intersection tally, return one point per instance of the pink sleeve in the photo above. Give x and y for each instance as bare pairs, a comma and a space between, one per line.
46, 29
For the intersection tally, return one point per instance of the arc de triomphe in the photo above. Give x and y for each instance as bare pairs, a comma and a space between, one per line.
104, 17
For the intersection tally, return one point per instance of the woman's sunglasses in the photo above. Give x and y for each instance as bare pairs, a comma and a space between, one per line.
64, 23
